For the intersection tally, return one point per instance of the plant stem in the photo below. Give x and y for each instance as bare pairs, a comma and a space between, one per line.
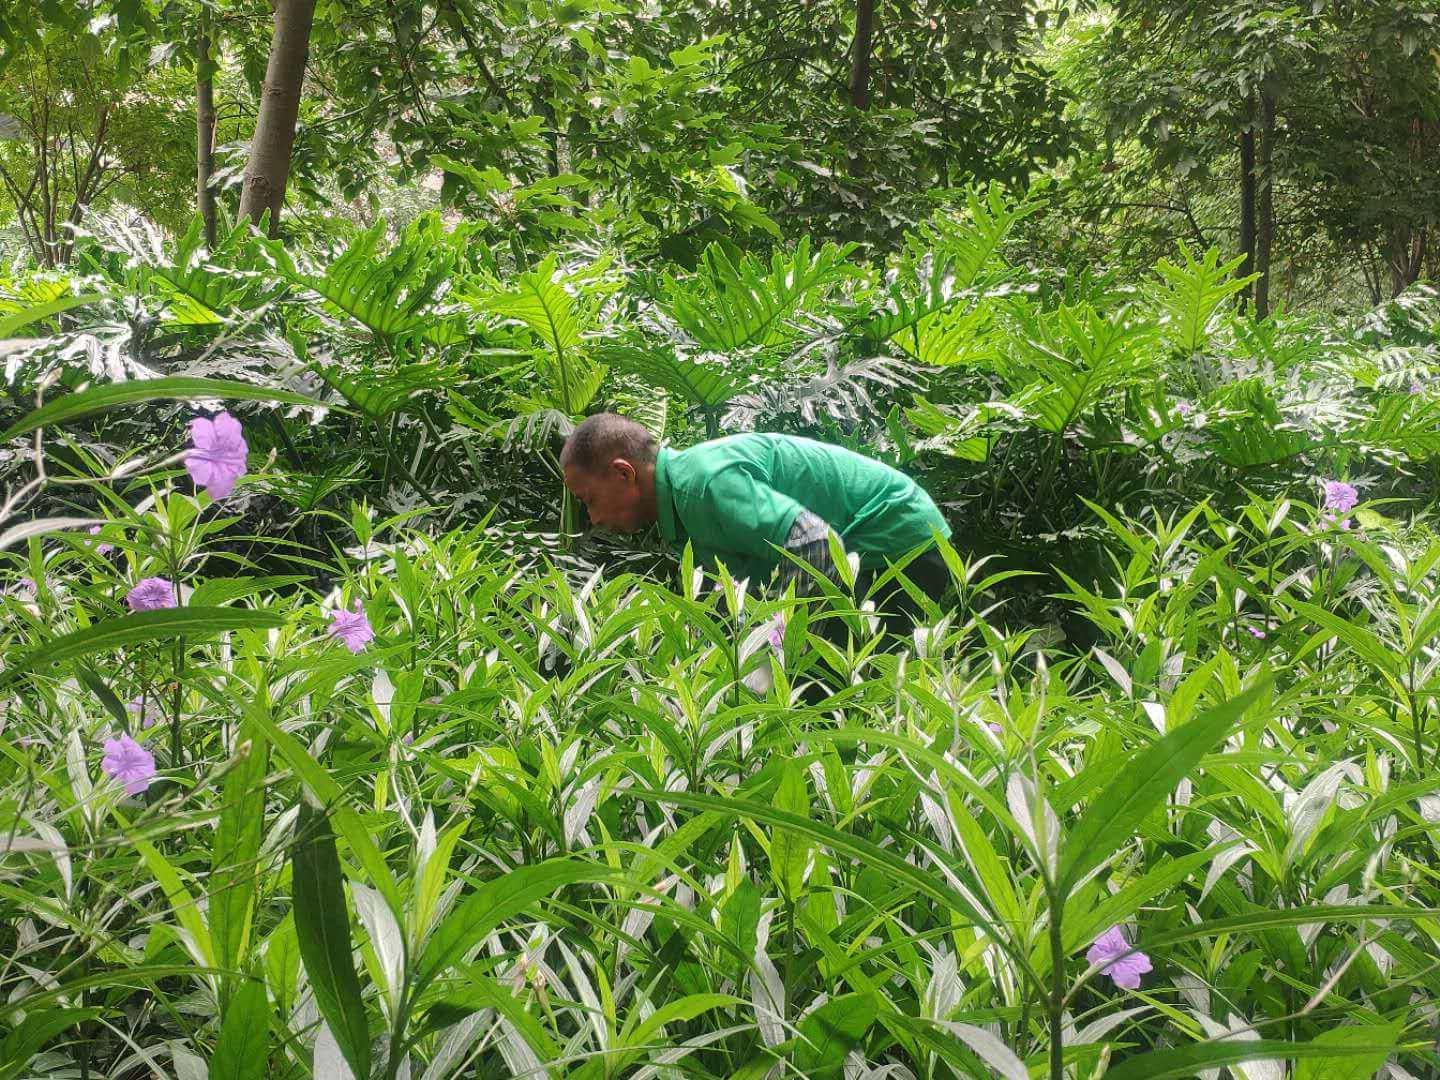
1057, 991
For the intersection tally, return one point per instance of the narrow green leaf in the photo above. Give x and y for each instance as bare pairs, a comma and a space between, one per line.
96, 399
12, 323
33, 1033
1186, 1061
192, 623
241, 1052
234, 869
789, 850
900, 872
326, 791
322, 928
1112, 818
492, 904
97, 686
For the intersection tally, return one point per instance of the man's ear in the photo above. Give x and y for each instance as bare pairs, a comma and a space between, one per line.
625, 470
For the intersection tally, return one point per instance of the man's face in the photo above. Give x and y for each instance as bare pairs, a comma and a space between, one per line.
614, 495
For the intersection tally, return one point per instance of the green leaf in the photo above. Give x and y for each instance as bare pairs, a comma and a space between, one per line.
96, 399
1111, 819
1195, 295
8, 326
101, 690
731, 303
322, 928
831, 1032
708, 381
42, 526
493, 903
391, 293
192, 623
234, 867
789, 850
740, 917
1360, 1066
32, 1034
1186, 1061
886, 862
329, 793
242, 1052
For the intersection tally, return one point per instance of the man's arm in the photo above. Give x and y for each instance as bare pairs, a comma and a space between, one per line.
809, 540
749, 516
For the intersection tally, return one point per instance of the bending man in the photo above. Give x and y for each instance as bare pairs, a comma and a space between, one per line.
739, 498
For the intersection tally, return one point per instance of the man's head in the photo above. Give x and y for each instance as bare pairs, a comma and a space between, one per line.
609, 465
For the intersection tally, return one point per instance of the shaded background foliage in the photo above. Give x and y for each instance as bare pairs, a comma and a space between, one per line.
1123, 285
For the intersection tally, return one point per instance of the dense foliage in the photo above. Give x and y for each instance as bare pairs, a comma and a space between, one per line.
333, 744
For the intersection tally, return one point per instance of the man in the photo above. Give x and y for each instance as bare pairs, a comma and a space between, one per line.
740, 498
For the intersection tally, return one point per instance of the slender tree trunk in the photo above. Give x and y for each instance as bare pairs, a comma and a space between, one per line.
860, 53
204, 127
268, 170
1247, 205
1265, 213
1405, 257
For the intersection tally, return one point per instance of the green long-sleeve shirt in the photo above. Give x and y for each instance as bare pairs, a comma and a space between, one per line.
734, 497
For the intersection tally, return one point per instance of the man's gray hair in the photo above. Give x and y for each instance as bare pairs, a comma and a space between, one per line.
598, 440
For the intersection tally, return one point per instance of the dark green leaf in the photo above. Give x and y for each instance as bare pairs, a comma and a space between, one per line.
322, 928
1111, 820
96, 399
242, 1052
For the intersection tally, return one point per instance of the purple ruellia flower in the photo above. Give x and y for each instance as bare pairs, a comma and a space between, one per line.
130, 763
101, 548
1416, 388
24, 587
1184, 408
352, 627
777, 635
152, 594
1340, 496
1334, 521
217, 459
1111, 952
147, 709
1255, 631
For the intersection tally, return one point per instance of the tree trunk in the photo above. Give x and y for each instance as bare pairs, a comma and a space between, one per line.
1265, 212
1247, 205
860, 54
268, 169
205, 127
1405, 257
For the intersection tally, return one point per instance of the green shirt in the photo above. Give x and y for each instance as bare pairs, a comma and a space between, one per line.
734, 497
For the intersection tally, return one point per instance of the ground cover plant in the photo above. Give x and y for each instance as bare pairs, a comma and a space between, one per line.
434, 799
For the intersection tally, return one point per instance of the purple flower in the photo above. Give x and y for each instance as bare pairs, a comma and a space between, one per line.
152, 594
25, 587
101, 548
217, 459
1334, 521
1340, 496
1416, 388
1255, 632
995, 729
148, 710
1184, 408
1111, 953
777, 635
352, 627
130, 763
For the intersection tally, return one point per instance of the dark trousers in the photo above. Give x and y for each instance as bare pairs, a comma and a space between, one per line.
898, 612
